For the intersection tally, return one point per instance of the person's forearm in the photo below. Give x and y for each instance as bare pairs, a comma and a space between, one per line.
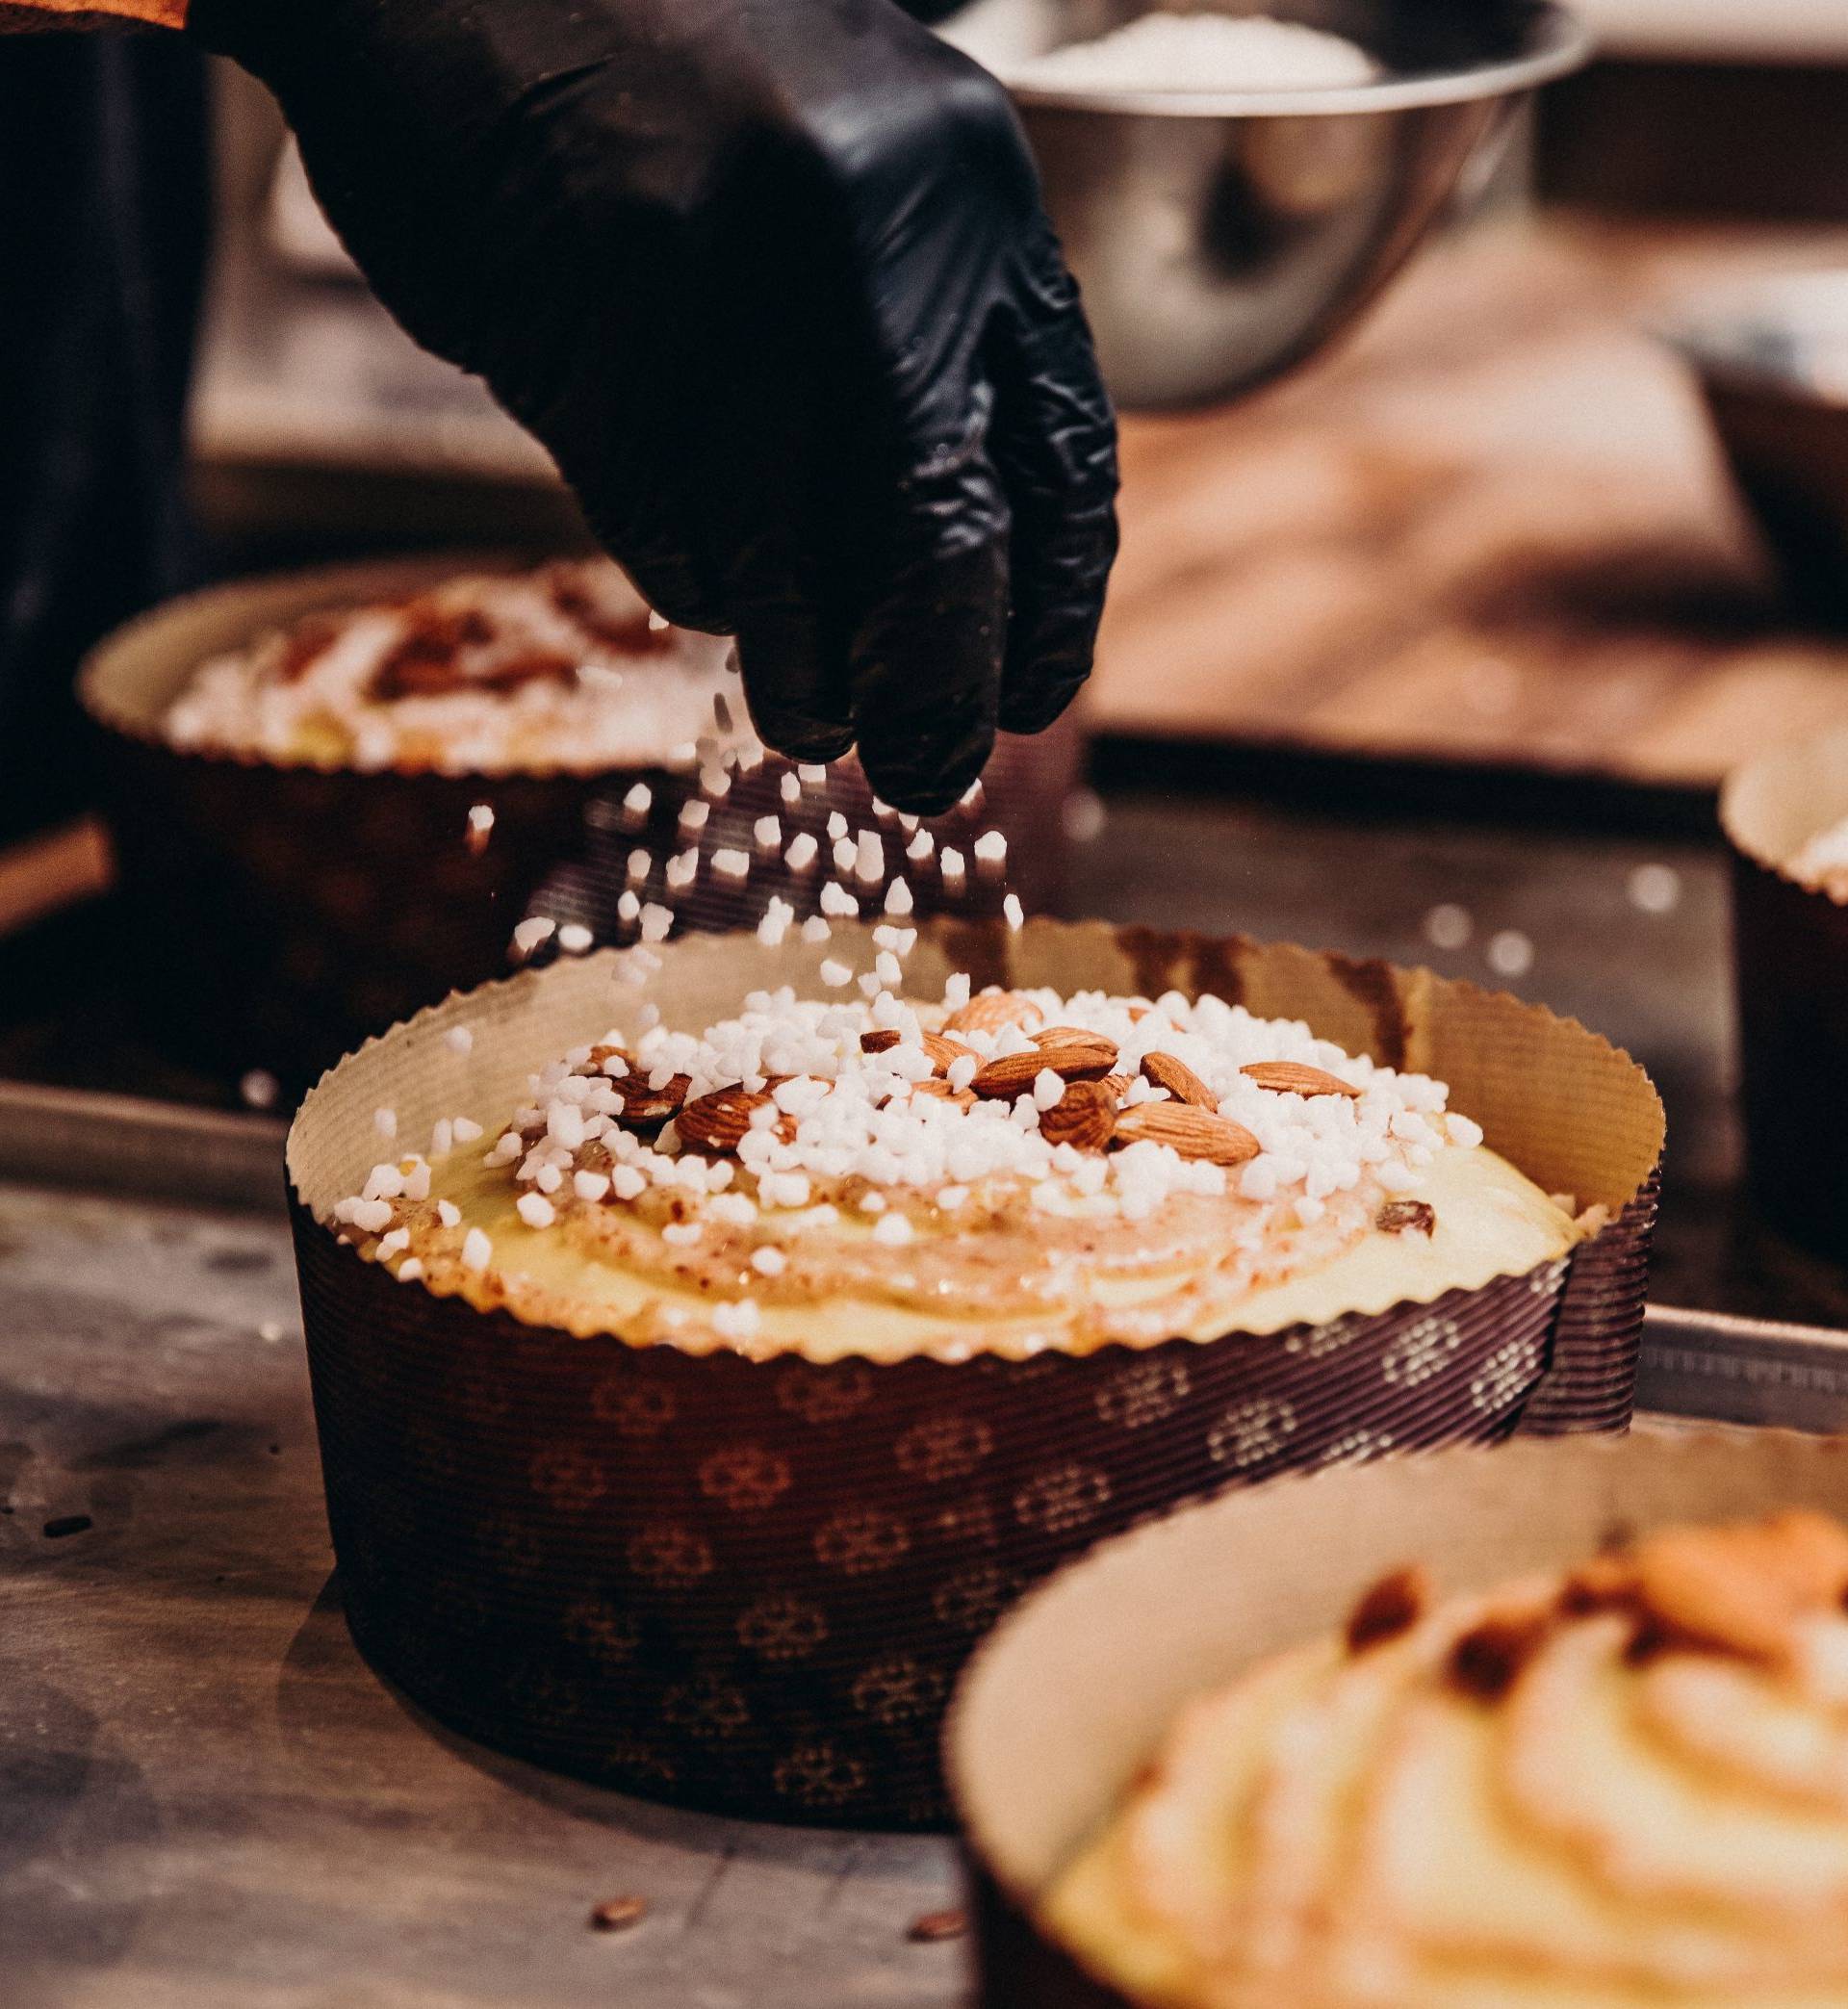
22, 16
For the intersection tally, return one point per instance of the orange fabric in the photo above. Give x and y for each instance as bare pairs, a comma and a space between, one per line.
164, 14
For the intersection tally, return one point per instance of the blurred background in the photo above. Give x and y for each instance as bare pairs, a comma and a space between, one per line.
1437, 649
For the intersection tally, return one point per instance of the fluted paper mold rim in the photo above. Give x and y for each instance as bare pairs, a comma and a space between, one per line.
1772, 805
560, 1544
1425, 1024
1073, 1689
1790, 984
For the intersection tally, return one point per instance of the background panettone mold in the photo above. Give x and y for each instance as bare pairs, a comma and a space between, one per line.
1791, 973
277, 915
747, 1584
1068, 1697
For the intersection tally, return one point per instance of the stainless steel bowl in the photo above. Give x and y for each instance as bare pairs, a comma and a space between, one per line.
1771, 354
1223, 237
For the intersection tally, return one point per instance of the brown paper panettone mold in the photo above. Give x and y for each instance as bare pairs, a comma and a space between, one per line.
1791, 973
277, 915
748, 1584
1069, 1696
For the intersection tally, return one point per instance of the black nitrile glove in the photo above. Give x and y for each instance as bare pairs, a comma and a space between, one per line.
772, 281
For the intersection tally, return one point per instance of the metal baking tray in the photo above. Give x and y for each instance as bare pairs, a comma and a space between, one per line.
1714, 1366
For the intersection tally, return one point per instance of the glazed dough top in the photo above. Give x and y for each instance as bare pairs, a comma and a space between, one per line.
561, 668
1623, 1786
1002, 1173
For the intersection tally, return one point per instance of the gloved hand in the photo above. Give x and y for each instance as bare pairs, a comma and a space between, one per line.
771, 280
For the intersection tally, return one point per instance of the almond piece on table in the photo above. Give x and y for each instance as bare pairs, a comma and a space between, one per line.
1399, 1217
717, 1122
1084, 1116
1195, 1133
619, 1914
991, 1010
1290, 1077
1164, 1071
930, 1928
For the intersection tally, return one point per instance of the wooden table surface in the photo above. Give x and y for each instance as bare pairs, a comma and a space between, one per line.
1494, 531
207, 1801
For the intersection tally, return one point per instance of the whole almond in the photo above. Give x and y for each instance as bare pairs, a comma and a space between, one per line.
645, 1108
1084, 1059
1117, 1085
1083, 1056
1013, 1075
991, 1010
1084, 1116
944, 1052
1290, 1077
939, 1050
1195, 1133
935, 1085
717, 1122
1164, 1071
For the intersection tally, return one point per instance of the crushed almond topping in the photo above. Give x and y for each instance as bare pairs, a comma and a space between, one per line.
1604, 1584
1740, 1590
1399, 1217
1391, 1607
1486, 1660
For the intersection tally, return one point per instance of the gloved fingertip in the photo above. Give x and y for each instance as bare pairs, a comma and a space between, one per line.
795, 687
663, 573
926, 777
671, 593
1030, 708
811, 741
